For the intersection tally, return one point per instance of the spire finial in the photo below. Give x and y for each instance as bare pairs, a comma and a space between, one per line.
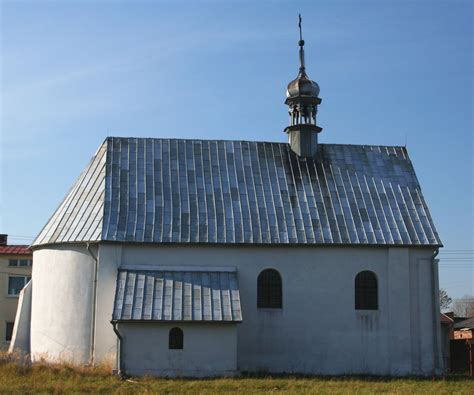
301, 44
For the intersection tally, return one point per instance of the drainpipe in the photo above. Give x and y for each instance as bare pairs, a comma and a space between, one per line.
121, 372
436, 312
94, 304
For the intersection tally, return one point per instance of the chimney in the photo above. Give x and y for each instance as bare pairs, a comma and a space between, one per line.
3, 239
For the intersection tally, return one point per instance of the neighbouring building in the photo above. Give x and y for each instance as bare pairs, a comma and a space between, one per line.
462, 345
212, 257
15, 272
447, 323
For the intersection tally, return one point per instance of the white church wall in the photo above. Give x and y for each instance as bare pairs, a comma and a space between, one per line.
62, 304
398, 310
426, 319
426, 347
20, 342
209, 349
110, 257
318, 330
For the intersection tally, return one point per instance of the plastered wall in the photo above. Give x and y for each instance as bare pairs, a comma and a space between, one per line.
317, 330
62, 304
209, 349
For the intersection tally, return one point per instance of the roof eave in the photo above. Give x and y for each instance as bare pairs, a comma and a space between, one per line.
118, 321
214, 244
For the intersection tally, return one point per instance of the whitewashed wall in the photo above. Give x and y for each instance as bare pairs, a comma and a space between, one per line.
210, 349
20, 342
318, 330
110, 257
62, 304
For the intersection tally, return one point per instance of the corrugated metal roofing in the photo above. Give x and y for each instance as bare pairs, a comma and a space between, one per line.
236, 192
164, 295
80, 215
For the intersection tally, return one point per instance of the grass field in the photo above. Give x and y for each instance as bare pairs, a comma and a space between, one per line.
64, 379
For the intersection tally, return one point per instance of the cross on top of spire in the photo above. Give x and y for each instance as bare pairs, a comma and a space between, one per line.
301, 43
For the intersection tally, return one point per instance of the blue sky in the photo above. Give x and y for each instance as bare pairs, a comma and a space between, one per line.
391, 73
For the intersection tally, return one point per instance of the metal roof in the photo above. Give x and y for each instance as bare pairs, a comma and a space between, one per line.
237, 192
79, 217
178, 295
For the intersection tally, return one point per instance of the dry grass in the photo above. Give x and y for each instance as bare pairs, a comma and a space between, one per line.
18, 376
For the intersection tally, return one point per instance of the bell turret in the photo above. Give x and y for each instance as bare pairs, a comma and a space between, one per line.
302, 99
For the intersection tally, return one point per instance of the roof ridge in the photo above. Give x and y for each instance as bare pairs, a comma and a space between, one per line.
247, 141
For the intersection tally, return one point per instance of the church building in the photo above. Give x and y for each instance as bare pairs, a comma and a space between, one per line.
209, 257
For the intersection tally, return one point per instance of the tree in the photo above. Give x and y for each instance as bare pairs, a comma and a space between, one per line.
444, 300
464, 307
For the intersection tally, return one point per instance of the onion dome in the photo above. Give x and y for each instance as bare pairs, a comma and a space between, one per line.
302, 85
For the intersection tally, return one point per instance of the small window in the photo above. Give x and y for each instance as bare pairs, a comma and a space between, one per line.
13, 262
8, 331
25, 262
366, 293
175, 339
269, 289
16, 284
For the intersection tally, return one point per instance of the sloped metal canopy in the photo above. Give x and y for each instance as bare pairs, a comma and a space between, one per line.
177, 295
240, 192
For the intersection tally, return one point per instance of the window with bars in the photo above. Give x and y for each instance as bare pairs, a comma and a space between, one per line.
175, 339
269, 293
366, 292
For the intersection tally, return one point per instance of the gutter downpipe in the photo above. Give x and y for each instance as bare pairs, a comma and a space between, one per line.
120, 372
436, 312
94, 304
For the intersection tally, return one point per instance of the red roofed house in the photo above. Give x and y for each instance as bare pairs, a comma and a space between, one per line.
15, 272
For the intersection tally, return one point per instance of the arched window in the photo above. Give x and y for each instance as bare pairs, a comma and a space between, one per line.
175, 339
366, 294
269, 289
